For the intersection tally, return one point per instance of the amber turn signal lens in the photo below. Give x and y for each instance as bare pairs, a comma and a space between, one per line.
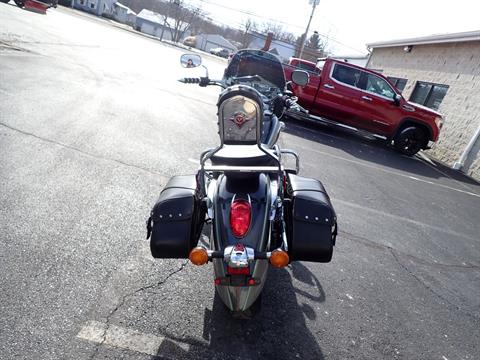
198, 256
279, 258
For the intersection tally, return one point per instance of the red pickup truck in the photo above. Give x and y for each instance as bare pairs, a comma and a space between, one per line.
364, 99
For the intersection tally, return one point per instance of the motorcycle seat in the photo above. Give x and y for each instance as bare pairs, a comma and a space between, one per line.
242, 155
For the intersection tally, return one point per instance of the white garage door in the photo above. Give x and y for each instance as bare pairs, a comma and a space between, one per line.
147, 29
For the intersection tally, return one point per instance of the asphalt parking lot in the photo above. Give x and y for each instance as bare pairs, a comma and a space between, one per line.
92, 125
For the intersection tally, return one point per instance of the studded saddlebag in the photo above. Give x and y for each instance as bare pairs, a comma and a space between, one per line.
176, 220
310, 219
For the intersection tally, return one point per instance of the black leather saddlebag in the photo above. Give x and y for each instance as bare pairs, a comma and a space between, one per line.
177, 219
310, 219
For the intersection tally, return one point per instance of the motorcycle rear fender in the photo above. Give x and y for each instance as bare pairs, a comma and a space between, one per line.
256, 188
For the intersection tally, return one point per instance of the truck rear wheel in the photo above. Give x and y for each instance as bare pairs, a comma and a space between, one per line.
410, 140
20, 3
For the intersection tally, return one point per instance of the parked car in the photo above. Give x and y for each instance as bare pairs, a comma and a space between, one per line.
344, 93
220, 52
190, 41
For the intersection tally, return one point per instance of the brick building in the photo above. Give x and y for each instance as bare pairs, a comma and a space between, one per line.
441, 72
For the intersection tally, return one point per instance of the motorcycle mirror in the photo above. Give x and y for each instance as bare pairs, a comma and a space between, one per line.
190, 60
300, 77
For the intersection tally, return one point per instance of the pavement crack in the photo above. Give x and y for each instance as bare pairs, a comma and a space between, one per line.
420, 261
124, 299
83, 152
418, 279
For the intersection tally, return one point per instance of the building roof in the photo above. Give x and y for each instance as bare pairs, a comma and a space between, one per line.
150, 16
159, 19
431, 39
129, 11
219, 39
353, 57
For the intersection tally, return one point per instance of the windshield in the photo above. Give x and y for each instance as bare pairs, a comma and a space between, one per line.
256, 62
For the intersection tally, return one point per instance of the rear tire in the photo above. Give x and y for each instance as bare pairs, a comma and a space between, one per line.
410, 140
251, 312
20, 3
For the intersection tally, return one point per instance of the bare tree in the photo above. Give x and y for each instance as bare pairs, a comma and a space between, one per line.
279, 32
181, 19
275, 28
248, 26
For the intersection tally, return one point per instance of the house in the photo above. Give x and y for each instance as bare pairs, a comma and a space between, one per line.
158, 25
96, 7
280, 48
441, 72
206, 42
124, 14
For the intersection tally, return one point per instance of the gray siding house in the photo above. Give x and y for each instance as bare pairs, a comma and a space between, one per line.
206, 42
283, 49
154, 24
96, 7
124, 14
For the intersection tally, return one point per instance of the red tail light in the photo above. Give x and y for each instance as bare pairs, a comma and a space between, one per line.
240, 216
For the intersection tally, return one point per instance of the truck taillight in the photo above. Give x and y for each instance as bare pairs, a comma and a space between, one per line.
240, 217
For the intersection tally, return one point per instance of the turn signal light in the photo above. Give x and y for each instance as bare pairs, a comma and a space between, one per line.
198, 256
240, 216
279, 258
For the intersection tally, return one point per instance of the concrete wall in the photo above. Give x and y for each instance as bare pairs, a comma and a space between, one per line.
456, 65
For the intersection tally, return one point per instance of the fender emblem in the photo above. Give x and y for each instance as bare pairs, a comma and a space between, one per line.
239, 119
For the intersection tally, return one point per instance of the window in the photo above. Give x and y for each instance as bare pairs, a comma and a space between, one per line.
376, 85
398, 82
428, 94
346, 74
82, 2
307, 67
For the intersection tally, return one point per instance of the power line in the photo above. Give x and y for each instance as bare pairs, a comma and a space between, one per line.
249, 13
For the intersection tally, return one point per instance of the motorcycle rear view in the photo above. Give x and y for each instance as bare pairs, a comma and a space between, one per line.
261, 213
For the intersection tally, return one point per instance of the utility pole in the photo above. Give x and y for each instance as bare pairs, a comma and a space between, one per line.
314, 5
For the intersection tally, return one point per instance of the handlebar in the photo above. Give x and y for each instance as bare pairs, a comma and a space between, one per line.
190, 80
202, 81
292, 104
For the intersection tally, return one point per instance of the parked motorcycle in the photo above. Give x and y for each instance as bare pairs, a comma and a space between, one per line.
261, 213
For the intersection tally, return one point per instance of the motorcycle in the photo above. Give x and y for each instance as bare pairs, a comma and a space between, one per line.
261, 213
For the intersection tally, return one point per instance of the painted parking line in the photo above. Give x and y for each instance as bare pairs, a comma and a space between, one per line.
123, 338
361, 163
401, 218
433, 166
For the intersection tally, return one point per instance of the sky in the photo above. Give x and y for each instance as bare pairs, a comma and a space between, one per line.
351, 24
